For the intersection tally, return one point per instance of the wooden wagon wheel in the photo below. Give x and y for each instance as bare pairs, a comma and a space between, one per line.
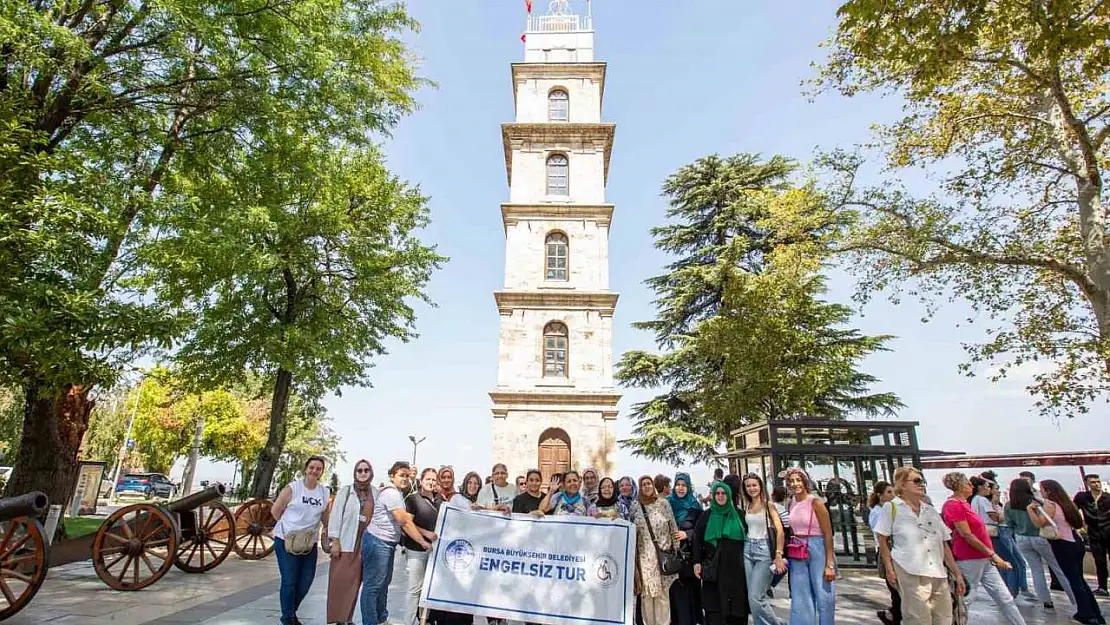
134, 547
214, 540
23, 564
254, 530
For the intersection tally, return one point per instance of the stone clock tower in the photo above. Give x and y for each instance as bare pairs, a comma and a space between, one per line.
554, 402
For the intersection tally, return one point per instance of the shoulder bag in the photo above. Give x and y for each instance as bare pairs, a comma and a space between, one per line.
798, 547
301, 542
1050, 531
669, 561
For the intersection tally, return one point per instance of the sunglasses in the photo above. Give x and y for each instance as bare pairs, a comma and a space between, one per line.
920, 481
363, 471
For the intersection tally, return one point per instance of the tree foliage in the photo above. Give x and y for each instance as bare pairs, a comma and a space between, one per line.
101, 103
1007, 108
301, 259
746, 336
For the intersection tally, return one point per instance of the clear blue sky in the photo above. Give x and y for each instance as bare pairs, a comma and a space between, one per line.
685, 79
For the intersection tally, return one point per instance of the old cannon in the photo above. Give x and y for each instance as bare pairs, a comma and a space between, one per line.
136, 545
254, 529
23, 551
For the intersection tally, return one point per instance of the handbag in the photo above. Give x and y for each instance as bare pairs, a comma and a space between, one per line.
300, 542
669, 561
798, 547
1050, 531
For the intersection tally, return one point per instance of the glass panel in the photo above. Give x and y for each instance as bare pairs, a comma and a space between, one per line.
786, 436
557, 106
557, 175
816, 436
877, 439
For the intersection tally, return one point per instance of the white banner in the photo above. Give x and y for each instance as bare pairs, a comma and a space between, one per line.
554, 570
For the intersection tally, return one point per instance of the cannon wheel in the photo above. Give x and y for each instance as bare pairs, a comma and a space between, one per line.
143, 538
213, 542
254, 530
23, 564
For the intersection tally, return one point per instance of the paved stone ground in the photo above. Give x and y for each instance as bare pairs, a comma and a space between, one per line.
244, 593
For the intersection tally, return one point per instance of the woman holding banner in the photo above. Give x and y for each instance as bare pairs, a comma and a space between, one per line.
423, 505
655, 530
719, 560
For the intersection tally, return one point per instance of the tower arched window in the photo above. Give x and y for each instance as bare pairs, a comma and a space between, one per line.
558, 175
558, 106
555, 264
555, 350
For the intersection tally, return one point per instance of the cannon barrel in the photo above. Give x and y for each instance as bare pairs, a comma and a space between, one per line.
30, 505
198, 499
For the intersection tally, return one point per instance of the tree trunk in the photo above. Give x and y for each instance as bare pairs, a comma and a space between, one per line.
271, 452
53, 426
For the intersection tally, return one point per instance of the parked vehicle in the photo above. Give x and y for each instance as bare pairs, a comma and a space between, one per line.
146, 484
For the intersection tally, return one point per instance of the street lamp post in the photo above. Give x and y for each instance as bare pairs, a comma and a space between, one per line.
126, 446
415, 443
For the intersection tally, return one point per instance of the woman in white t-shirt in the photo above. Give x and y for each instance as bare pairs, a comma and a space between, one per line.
497, 495
299, 511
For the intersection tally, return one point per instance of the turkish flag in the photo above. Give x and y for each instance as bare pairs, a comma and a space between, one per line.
524, 38
528, 5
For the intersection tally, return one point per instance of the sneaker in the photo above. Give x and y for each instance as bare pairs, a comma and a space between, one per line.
1049, 606
1102, 592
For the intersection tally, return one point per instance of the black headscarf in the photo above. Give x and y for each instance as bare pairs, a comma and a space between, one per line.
602, 502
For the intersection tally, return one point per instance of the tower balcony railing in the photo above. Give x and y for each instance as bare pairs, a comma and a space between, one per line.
559, 23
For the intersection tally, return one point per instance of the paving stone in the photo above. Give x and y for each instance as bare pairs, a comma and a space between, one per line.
241, 592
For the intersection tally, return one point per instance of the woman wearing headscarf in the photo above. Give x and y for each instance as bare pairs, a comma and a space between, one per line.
718, 551
655, 530
348, 515
686, 591
626, 497
590, 484
571, 501
607, 495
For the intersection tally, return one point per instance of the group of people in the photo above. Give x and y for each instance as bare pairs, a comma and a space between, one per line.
932, 559
732, 545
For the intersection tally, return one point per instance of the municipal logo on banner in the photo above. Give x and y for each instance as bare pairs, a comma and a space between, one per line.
552, 570
459, 555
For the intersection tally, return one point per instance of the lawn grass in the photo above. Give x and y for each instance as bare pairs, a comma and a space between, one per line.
77, 527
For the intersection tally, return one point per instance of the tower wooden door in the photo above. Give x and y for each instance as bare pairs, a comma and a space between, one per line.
554, 453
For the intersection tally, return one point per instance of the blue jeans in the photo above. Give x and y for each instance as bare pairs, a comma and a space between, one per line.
1006, 548
377, 573
297, 574
812, 599
757, 568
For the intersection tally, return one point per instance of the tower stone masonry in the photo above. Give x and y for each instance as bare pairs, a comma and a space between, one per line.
554, 402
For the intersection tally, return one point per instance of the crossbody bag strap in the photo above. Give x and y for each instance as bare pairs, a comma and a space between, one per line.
651, 532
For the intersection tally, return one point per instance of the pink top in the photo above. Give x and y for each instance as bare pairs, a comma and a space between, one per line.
956, 510
1066, 531
802, 519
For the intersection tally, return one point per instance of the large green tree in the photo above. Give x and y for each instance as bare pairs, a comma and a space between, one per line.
744, 333
100, 102
1007, 109
318, 261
